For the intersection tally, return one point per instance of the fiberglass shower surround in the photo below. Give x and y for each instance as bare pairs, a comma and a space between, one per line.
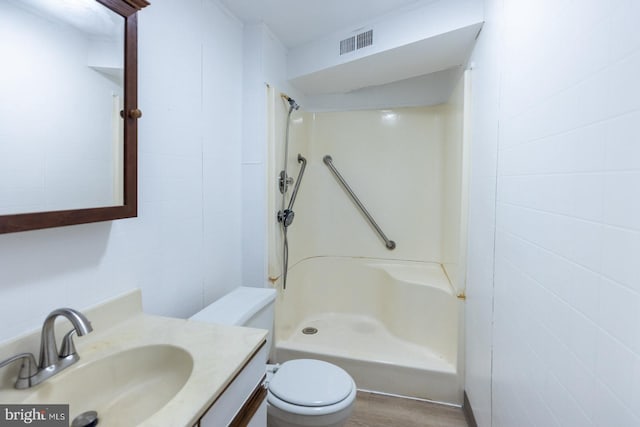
286, 215
378, 313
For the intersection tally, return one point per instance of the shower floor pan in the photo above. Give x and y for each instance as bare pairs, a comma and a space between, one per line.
375, 358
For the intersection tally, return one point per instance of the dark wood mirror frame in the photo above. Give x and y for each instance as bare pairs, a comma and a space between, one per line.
32, 221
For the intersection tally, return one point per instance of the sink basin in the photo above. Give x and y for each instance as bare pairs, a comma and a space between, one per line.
125, 388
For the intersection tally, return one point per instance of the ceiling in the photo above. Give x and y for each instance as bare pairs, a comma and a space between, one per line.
297, 22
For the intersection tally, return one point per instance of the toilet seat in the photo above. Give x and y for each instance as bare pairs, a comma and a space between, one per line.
311, 387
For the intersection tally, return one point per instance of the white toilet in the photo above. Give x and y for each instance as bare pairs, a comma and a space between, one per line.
303, 392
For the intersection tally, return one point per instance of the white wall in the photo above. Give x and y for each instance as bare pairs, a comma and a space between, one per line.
485, 76
566, 294
183, 250
253, 155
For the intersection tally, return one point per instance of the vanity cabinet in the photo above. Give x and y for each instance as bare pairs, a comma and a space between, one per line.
243, 402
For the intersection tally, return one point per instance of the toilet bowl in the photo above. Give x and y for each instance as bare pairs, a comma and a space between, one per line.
302, 392
307, 392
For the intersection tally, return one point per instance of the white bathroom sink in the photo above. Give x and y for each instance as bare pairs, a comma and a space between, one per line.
137, 369
124, 388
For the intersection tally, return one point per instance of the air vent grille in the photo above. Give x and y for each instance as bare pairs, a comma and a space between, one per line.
358, 41
347, 45
365, 39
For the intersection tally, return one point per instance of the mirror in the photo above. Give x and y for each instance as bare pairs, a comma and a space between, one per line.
68, 114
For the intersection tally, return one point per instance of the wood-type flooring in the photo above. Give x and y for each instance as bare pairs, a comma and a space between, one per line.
375, 410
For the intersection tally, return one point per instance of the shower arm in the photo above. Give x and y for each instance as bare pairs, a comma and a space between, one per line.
298, 181
390, 244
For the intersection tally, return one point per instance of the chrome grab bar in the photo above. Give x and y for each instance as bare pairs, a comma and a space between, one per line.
298, 181
390, 244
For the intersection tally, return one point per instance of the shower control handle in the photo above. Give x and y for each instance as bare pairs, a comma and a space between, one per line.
284, 182
286, 217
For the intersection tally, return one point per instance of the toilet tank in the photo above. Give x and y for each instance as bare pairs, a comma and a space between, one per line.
244, 306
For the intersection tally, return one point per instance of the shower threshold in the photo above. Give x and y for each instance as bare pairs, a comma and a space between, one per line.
374, 357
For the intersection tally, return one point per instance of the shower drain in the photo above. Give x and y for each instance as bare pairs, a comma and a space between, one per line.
309, 330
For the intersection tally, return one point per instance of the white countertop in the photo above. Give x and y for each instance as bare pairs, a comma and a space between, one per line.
218, 351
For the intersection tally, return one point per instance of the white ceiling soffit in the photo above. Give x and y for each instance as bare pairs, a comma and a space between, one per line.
426, 56
429, 89
297, 22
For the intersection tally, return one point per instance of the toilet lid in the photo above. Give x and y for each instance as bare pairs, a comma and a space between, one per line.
307, 382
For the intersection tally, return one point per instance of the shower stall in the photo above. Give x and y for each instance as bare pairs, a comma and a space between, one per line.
375, 269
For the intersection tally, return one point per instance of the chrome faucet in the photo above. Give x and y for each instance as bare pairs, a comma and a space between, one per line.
52, 361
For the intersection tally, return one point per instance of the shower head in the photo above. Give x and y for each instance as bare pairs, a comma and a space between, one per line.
293, 105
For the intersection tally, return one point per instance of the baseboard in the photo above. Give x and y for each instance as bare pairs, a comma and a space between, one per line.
468, 412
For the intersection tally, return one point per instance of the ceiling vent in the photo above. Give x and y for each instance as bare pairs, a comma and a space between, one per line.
347, 45
356, 42
365, 39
